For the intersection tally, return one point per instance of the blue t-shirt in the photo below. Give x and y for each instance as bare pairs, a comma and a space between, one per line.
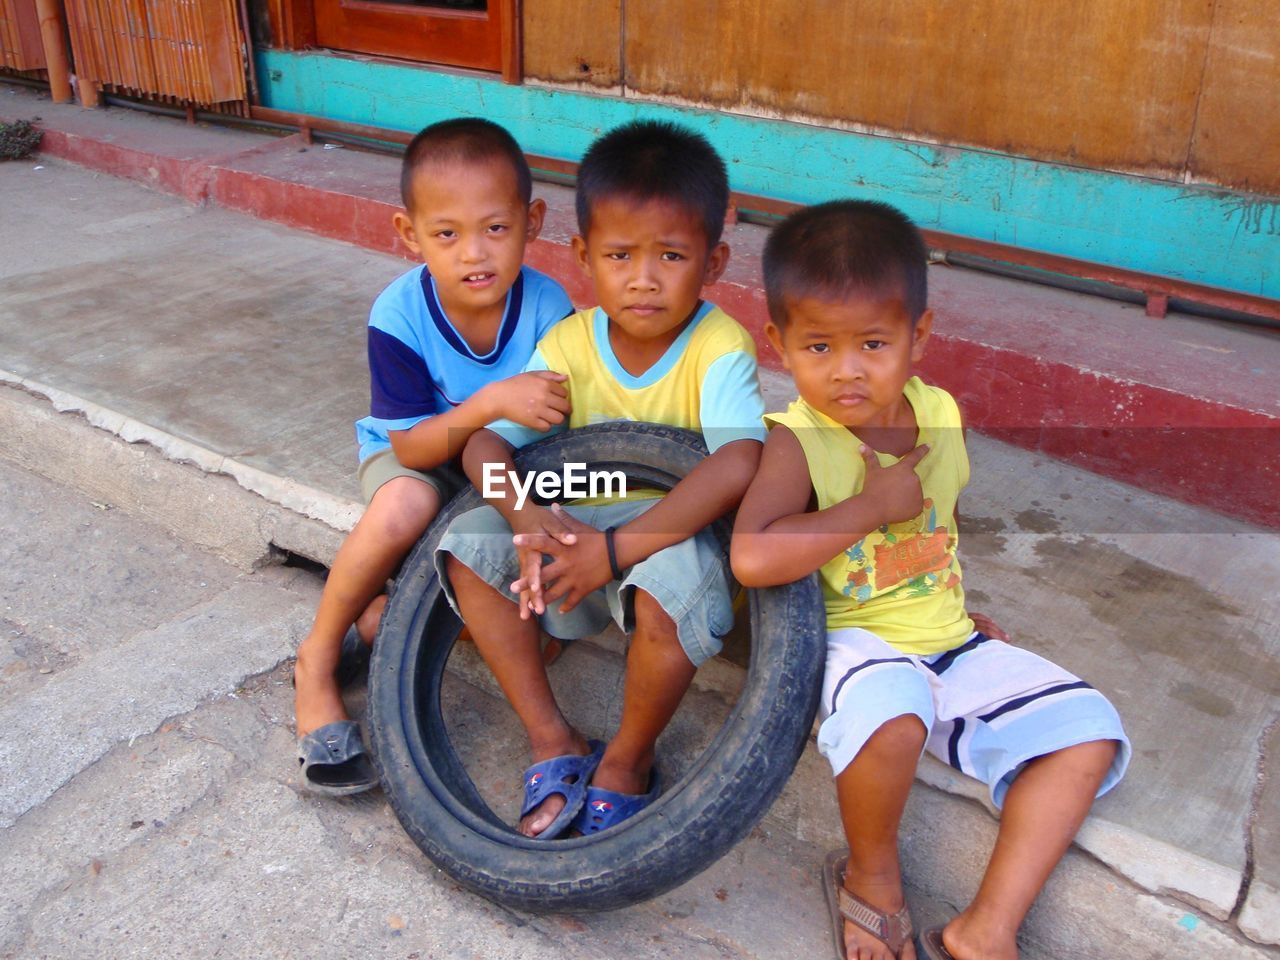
419, 365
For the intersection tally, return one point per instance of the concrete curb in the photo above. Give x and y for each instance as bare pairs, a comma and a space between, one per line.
243, 519
334, 512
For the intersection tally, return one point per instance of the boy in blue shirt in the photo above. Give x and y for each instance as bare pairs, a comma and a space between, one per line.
859, 480
447, 343
651, 203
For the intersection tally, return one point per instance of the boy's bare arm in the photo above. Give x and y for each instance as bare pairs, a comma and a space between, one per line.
537, 399
709, 491
777, 539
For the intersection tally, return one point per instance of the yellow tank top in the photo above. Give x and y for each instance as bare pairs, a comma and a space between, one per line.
901, 582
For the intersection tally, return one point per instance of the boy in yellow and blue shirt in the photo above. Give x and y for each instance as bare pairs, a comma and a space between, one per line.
651, 203
859, 480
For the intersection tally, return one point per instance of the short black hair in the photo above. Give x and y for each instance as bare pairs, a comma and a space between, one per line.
845, 247
465, 139
655, 160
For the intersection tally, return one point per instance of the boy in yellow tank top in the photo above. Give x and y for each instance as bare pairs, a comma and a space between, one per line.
651, 203
859, 480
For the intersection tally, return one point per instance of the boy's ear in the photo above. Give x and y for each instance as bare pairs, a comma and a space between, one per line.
920, 335
537, 213
580, 254
404, 226
717, 260
774, 335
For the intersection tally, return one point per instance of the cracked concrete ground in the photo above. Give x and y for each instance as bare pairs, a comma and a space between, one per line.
1158, 604
1258, 910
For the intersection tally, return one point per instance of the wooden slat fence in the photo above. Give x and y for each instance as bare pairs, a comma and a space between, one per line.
20, 47
185, 51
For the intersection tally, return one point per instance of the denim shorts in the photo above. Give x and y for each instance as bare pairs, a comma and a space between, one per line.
689, 580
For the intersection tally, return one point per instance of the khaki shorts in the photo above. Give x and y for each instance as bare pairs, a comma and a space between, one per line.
447, 479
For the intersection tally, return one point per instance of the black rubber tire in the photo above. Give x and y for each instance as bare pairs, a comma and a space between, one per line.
720, 798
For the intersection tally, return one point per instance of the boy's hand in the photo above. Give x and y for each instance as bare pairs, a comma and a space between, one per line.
895, 491
985, 624
536, 528
580, 565
537, 399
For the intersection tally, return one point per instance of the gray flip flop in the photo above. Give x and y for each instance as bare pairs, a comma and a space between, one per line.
334, 761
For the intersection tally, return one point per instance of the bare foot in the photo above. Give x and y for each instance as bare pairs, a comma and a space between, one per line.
885, 895
967, 937
540, 817
622, 778
316, 700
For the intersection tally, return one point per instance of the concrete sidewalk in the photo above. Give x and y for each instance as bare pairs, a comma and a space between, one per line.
237, 347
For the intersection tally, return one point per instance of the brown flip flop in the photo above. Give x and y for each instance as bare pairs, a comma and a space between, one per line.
932, 947
893, 928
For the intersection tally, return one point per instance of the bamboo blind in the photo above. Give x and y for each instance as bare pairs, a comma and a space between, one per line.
188, 50
20, 47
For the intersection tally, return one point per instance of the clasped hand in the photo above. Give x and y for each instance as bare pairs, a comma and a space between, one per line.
579, 561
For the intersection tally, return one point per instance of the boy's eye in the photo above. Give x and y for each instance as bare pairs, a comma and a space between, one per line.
497, 227
819, 348
616, 255
873, 345
445, 234
671, 256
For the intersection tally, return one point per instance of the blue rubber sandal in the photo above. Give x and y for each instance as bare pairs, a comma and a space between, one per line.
605, 808
567, 776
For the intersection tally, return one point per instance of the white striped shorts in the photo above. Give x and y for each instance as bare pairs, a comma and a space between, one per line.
989, 707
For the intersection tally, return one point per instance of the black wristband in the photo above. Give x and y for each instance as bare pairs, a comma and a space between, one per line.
613, 553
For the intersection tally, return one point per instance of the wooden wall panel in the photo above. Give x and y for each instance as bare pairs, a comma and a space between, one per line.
573, 41
293, 23
1092, 82
1237, 134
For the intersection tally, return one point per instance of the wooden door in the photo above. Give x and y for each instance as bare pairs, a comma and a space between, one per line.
481, 34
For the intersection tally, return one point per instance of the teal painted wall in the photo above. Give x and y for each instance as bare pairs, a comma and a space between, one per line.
1201, 234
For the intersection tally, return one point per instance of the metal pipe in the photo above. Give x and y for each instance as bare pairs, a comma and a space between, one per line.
305, 121
53, 37
24, 81
1100, 288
